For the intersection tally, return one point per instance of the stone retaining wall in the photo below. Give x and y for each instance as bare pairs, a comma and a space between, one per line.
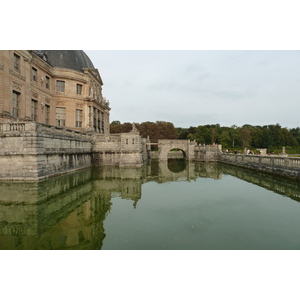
32, 151
286, 166
122, 149
207, 152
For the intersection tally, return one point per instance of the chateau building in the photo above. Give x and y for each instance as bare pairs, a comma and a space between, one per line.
54, 118
52, 87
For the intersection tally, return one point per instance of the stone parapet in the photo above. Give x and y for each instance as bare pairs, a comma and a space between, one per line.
280, 165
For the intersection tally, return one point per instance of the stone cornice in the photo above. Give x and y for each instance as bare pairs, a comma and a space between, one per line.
16, 74
41, 90
104, 104
94, 74
69, 77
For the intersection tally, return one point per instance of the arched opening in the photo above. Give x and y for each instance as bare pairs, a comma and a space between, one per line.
176, 153
176, 160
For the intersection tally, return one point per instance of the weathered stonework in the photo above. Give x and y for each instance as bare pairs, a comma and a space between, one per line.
275, 164
123, 149
54, 118
190, 150
32, 151
35, 82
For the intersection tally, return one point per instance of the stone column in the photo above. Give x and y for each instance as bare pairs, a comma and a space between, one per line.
90, 112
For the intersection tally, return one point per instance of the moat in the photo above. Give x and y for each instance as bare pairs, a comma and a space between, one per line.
174, 206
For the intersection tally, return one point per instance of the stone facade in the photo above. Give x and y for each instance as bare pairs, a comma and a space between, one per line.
124, 149
33, 151
32, 89
54, 118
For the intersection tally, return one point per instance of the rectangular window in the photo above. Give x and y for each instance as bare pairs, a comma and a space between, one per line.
47, 114
34, 74
34, 110
78, 89
60, 86
47, 82
78, 118
16, 62
95, 119
60, 116
102, 122
15, 110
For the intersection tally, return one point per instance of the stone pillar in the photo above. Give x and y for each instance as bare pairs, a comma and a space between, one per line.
90, 115
283, 153
100, 120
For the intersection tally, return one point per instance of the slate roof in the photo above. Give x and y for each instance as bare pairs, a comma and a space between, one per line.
66, 59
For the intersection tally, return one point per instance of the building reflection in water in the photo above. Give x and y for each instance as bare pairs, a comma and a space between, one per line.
68, 212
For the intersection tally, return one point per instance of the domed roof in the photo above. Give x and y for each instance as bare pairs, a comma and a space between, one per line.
67, 59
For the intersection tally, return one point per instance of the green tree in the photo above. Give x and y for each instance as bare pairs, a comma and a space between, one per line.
245, 136
225, 139
115, 123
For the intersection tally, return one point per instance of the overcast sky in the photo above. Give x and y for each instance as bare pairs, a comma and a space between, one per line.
191, 88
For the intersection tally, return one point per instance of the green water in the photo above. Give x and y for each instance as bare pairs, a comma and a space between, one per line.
159, 206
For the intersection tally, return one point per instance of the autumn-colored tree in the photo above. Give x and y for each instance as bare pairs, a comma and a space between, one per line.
117, 127
156, 131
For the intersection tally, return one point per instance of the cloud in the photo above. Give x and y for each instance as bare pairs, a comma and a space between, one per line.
193, 87
229, 94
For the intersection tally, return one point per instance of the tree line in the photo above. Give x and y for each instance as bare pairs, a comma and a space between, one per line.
156, 131
271, 137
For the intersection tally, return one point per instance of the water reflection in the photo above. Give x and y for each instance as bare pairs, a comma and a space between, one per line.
277, 184
68, 212
177, 165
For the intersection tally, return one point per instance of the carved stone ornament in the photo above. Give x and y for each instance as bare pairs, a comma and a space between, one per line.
47, 100
60, 103
17, 86
79, 105
95, 73
35, 95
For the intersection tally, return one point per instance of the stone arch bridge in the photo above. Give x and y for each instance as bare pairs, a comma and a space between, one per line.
190, 149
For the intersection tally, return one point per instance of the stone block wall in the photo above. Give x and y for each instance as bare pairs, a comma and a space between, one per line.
124, 149
275, 164
207, 152
32, 151
106, 149
189, 151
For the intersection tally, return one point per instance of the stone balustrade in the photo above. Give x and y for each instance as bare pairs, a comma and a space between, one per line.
276, 164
